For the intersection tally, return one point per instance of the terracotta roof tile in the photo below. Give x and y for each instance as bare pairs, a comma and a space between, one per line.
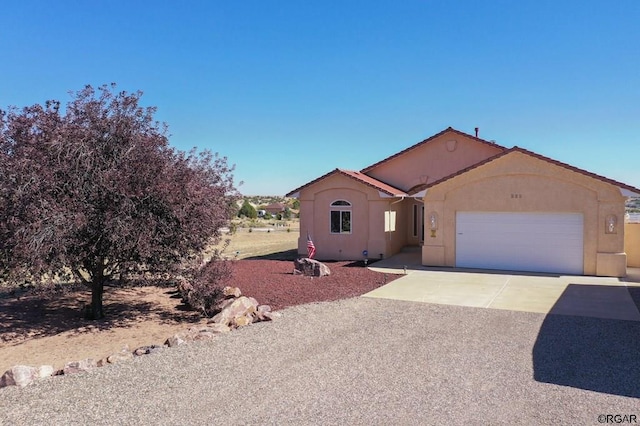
360, 177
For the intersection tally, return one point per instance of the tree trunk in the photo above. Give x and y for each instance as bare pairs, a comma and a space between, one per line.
94, 311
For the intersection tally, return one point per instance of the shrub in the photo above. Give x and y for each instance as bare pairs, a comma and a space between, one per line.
203, 289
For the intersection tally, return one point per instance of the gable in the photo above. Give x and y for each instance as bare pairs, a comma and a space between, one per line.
352, 178
519, 167
520, 162
337, 182
432, 159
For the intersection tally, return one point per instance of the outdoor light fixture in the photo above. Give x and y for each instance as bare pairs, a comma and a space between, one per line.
611, 224
433, 223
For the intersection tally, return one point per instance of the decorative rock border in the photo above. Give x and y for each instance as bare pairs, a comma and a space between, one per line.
234, 311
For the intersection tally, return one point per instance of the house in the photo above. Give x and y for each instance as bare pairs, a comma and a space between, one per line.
275, 208
467, 202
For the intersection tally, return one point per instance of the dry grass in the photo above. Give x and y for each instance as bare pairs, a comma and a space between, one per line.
244, 244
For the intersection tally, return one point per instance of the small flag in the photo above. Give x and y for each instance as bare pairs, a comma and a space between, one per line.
311, 248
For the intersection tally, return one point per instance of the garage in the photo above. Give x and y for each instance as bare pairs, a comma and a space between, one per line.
532, 241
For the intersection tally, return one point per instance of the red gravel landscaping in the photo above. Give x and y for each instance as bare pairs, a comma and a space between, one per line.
272, 282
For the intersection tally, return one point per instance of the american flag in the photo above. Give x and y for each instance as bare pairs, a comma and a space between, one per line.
311, 248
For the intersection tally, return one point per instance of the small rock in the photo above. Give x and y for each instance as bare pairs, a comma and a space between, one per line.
272, 315
45, 371
124, 355
218, 328
175, 340
231, 292
148, 350
242, 321
79, 366
261, 311
19, 375
203, 335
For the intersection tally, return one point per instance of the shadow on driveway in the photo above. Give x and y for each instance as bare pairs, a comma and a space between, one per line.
597, 354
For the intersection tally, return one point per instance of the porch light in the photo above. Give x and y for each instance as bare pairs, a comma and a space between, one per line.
433, 223
611, 224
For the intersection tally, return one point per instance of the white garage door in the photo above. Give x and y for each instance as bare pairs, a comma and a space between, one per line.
536, 242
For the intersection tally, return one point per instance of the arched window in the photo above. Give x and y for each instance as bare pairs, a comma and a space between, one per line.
340, 217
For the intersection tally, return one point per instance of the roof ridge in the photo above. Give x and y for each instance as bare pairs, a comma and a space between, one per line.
360, 177
541, 157
427, 140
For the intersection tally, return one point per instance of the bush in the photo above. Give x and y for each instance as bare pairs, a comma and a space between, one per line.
203, 289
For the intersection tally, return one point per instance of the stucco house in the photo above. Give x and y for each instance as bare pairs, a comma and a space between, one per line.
467, 202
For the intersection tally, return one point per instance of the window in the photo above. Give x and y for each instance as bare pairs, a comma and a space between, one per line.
389, 221
341, 217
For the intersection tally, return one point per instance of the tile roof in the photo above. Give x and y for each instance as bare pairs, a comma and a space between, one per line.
429, 139
360, 177
620, 185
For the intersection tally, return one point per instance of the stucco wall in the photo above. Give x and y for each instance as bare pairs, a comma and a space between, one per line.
632, 244
517, 182
435, 159
367, 220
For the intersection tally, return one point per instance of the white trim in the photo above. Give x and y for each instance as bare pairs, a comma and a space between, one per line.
420, 194
347, 210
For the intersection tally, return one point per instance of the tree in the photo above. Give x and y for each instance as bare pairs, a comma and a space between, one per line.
287, 213
97, 192
247, 210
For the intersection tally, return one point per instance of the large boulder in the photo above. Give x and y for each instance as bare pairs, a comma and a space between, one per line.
310, 267
241, 307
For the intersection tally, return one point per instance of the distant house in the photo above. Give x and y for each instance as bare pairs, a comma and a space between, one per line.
467, 202
275, 208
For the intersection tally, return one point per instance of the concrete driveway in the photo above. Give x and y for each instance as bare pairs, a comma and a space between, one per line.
598, 297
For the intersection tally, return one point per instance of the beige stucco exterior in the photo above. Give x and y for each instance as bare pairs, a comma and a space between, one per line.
440, 157
632, 244
367, 209
391, 202
517, 182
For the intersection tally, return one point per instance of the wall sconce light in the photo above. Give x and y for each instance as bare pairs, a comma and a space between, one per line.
433, 223
611, 224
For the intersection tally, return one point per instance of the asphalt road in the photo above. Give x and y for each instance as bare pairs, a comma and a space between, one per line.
363, 361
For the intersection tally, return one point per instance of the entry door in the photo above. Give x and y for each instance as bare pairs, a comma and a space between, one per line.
536, 242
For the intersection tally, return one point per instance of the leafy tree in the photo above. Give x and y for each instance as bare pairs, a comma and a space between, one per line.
247, 210
287, 213
97, 192
295, 204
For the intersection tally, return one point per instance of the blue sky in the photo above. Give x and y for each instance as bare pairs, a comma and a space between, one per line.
289, 90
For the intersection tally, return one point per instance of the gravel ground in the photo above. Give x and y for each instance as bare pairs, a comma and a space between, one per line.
362, 361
